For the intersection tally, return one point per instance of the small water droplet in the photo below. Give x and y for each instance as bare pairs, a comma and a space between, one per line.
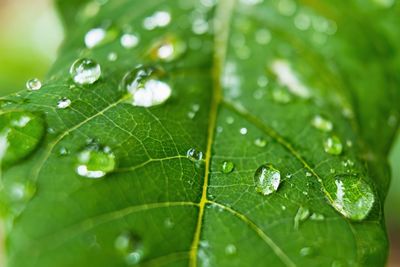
308, 174
267, 179
158, 20
200, 26
20, 134
302, 21
281, 95
85, 71
130, 246
33, 84
230, 249
260, 142
112, 56
129, 40
168, 48
306, 251
168, 223
322, 124
95, 161
94, 37
333, 145
243, 131
317, 217
145, 86
227, 166
302, 214
63, 151
63, 103
351, 196
194, 155
230, 120
337, 264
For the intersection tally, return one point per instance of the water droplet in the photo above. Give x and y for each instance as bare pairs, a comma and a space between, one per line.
281, 95
351, 196
302, 214
168, 223
260, 142
302, 21
20, 134
158, 19
263, 36
146, 87
230, 120
63, 103
129, 40
287, 7
95, 161
85, 71
227, 166
317, 217
194, 155
200, 26
63, 151
306, 251
94, 37
267, 179
33, 84
322, 124
243, 131
112, 56
230, 249
333, 145
308, 174
168, 48
337, 264
130, 246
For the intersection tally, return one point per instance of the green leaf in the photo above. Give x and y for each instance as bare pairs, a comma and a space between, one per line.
246, 133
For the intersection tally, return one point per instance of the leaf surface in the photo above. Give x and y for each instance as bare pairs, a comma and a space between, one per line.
245, 90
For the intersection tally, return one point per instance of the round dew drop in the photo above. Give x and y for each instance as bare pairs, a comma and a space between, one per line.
63, 103
267, 179
95, 161
194, 155
322, 124
33, 84
85, 71
145, 87
129, 40
227, 166
168, 48
94, 37
333, 145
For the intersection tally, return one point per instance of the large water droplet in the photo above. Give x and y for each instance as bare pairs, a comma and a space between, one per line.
351, 196
85, 71
168, 48
227, 166
95, 161
145, 86
33, 84
130, 246
20, 134
267, 179
322, 124
333, 145
194, 155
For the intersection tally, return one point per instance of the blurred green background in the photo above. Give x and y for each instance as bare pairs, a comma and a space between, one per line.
30, 33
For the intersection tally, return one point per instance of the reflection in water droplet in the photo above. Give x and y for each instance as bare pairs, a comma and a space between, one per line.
130, 246
168, 48
333, 145
33, 84
351, 196
194, 155
230, 249
302, 214
63, 103
129, 40
227, 166
322, 124
145, 86
85, 71
20, 134
243, 131
267, 179
95, 161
